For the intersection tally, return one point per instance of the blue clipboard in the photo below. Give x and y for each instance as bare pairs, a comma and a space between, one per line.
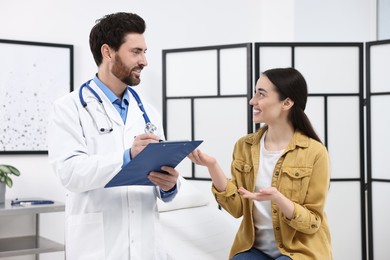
151, 159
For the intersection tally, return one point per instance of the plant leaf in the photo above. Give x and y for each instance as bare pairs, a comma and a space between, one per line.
4, 168
8, 181
14, 171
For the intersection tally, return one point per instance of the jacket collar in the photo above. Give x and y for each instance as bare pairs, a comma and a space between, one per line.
299, 139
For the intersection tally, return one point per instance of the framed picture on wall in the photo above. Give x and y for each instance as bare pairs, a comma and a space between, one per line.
32, 76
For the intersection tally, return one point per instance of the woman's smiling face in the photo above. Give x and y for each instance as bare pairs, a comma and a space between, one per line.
267, 106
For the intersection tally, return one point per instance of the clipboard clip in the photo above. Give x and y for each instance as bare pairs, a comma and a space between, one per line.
172, 141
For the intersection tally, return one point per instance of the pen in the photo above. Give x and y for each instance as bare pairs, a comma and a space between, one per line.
30, 202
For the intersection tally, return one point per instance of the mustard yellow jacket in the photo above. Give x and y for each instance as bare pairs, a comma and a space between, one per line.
302, 175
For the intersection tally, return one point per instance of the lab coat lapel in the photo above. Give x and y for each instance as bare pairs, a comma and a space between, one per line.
134, 114
111, 111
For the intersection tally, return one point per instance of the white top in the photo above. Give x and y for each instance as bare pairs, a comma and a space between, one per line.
262, 216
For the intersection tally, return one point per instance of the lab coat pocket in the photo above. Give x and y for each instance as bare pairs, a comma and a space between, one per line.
85, 237
294, 183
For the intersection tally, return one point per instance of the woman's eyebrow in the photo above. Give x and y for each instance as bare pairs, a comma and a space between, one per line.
261, 89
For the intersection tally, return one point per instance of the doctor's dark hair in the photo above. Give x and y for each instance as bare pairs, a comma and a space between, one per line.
290, 83
112, 30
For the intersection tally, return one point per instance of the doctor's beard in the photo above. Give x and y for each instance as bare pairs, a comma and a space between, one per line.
124, 74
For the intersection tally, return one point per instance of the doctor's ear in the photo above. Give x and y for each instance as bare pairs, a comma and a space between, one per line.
106, 51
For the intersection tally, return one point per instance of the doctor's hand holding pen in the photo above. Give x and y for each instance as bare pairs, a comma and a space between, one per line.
167, 178
140, 142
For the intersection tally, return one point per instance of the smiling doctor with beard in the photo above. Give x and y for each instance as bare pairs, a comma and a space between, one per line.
93, 133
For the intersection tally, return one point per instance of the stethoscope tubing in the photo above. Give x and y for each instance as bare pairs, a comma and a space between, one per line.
104, 130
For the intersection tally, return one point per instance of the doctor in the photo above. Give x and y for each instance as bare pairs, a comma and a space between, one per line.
93, 133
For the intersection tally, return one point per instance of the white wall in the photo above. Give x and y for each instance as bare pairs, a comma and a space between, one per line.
333, 20
383, 19
170, 24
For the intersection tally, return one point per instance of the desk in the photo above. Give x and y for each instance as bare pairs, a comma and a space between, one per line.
29, 245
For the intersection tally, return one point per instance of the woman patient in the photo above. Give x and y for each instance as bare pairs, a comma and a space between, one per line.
280, 176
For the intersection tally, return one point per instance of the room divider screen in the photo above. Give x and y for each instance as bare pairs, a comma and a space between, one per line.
206, 91
378, 143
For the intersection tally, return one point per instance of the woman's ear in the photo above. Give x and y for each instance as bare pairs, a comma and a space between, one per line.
287, 104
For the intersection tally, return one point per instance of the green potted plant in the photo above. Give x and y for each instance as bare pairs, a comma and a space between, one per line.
6, 171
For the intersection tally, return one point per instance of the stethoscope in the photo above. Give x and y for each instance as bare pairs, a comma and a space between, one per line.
149, 127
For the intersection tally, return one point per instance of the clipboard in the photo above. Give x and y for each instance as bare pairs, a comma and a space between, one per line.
151, 159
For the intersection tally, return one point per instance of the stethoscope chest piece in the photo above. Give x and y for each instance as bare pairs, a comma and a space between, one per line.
150, 128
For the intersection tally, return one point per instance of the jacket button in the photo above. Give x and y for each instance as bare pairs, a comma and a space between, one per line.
277, 228
276, 174
296, 174
314, 226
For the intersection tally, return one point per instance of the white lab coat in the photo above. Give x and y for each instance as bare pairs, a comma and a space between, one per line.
115, 223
